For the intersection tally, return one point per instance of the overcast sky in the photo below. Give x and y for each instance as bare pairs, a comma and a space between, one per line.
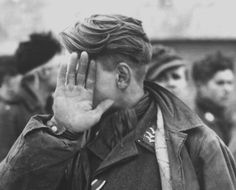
161, 18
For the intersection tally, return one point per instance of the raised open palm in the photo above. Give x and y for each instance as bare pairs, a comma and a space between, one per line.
73, 106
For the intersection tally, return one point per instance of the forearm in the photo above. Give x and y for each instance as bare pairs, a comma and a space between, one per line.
38, 158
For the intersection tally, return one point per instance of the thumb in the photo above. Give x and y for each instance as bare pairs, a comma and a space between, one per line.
104, 106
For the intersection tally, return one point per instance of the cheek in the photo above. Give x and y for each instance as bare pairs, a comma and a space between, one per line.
182, 83
104, 87
216, 90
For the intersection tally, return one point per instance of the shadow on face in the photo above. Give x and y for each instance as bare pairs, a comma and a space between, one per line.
219, 88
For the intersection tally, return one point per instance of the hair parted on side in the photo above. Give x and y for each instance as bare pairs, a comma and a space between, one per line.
205, 69
101, 35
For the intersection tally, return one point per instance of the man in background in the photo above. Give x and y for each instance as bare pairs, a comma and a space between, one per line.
10, 81
38, 59
213, 77
35, 72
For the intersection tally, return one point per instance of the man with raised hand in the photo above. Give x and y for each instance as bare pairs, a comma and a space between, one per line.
112, 130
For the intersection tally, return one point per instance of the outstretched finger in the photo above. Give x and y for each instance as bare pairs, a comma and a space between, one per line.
82, 70
90, 81
61, 77
71, 73
102, 107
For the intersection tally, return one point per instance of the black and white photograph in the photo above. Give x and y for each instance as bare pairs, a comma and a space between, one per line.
117, 95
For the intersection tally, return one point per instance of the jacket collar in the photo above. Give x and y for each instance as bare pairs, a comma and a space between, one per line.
178, 120
127, 147
177, 116
122, 151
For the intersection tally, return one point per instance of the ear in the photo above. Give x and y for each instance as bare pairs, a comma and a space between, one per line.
123, 75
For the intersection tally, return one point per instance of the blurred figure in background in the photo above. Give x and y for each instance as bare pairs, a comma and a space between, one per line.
37, 64
10, 124
37, 59
214, 80
169, 70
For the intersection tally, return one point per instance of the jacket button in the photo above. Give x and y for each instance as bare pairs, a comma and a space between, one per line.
54, 128
209, 117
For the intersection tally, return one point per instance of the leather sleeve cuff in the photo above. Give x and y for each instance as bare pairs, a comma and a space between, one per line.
60, 131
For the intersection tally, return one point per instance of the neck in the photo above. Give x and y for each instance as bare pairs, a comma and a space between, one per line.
207, 104
132, 97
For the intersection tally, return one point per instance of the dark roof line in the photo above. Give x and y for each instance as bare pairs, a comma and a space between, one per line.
193, 40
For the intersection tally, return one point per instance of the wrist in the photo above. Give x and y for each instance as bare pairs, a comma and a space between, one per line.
61, 131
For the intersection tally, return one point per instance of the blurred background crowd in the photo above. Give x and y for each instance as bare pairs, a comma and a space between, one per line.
194, 56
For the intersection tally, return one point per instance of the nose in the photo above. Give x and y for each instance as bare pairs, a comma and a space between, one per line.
228, 87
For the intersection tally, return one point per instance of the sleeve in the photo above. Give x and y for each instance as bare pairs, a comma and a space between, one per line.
232, 144
218, 166
38, 159
8, 131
